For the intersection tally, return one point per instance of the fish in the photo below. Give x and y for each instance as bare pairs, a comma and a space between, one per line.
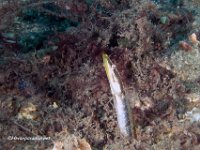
120, 102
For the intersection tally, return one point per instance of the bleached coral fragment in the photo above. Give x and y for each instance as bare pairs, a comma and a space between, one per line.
193, 115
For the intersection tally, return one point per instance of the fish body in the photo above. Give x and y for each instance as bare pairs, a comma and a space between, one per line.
121, 104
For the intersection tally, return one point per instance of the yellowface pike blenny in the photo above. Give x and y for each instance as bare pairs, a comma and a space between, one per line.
121, 105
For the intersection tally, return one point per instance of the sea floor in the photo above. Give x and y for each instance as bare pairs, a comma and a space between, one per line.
54, 92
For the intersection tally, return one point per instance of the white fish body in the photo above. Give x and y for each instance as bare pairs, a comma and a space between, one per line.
119, 98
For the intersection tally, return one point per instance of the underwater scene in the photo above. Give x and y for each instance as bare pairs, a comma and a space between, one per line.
99, 74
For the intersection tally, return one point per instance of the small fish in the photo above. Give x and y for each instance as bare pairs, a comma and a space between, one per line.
121, 104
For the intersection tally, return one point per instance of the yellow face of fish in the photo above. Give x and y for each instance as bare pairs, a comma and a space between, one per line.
106, 65
112, 73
